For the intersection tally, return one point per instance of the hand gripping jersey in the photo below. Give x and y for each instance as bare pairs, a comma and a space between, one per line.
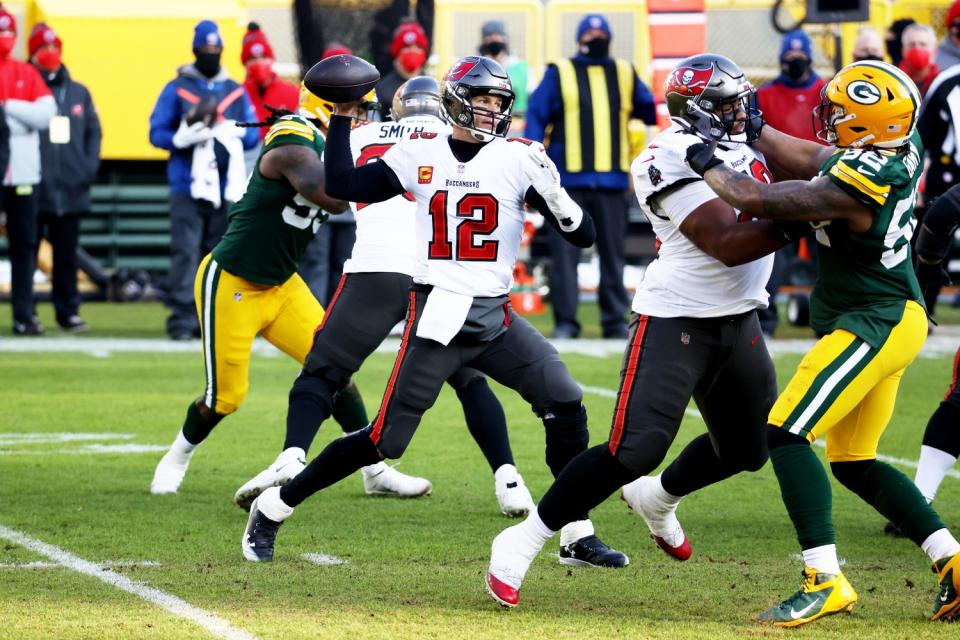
386, 231
469, 214
863, 279
271, 225
684, 281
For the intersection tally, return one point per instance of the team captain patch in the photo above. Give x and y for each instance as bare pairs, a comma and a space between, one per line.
425, 175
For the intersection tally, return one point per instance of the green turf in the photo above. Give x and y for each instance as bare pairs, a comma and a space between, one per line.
415, 568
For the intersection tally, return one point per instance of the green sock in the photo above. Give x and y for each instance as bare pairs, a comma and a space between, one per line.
895, 496
195, 428
805, 488
348, 409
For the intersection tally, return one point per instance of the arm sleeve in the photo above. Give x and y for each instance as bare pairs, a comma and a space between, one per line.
373, 182
583, 236
644, 106
93, 138
940, 222
542, 104
165, 118
34, 114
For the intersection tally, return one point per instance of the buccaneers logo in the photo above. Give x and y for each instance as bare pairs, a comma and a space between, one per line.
687, 81
462, 68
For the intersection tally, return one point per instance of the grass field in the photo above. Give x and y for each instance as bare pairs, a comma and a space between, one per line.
414, 569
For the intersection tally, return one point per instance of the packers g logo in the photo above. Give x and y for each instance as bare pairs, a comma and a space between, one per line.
863, 92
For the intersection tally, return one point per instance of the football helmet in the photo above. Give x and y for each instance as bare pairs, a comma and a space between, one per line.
473, 76
868, 103
316, 108
707, 93
419, 96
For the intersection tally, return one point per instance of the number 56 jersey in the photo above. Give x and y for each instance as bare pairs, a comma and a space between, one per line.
469, 214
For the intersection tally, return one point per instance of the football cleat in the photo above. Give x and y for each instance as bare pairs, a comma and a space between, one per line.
511, 554
381, 479
946, 606
661, 518
169, 474
591, 551
820, 594
503, 593
259, 536
512, 494
285, 468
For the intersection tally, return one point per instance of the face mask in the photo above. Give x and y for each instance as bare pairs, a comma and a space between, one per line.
596, 48
867, 57
916, 59
493, 49
48, 59
260, 72
412, 59
208, 64
6, 44
795, 68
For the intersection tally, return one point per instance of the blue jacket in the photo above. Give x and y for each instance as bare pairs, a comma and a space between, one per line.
545, 107
176, 99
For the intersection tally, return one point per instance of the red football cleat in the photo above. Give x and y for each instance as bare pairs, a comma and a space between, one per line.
503, 593
683, 552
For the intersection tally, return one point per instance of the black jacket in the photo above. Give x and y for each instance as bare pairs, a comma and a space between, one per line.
69, 169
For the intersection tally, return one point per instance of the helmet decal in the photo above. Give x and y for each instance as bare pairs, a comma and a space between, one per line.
863, 92
462, 68
687, 81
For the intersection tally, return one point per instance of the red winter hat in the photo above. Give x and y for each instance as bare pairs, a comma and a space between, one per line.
255, 44
7, 21
42, 35
953, 14
336, 49
411, 34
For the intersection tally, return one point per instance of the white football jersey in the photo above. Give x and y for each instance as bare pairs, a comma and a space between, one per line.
469, 214
684, 281
386, 232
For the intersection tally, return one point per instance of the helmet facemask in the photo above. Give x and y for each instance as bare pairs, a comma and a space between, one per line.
732, 120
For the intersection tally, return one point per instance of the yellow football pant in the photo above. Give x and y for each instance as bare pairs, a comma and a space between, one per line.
846, 389
233, 311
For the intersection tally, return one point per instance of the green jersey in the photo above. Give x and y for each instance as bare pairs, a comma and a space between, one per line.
865, 279
271, 225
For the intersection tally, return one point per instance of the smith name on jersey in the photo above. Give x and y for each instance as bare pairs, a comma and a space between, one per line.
684, 281
469, 214
272, 224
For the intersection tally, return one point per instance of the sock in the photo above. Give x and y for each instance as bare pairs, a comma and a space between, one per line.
486, 422
585, 482
567, 436
823, 559
195, 427
310, 404
535, 529
348, 409
661, 495
573, 531
341, 458
931, 469
699, 466
182, 448
270, 504
806, 494
940, 544
942, 432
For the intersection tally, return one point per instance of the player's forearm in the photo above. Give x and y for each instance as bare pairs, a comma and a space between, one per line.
801, 159
369, 183
790, 200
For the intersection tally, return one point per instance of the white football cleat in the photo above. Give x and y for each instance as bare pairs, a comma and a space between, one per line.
661, 517
512, 494
285, 468
169, 473
381, 479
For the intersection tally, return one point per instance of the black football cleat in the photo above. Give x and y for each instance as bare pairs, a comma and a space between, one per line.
591, 551
259, 536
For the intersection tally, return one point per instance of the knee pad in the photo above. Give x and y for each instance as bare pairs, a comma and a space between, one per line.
567, 435
559, 389
780, 437
851, 474
746, 454
644, 451
313, 387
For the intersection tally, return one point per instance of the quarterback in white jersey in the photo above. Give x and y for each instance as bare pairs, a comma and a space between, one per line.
470, 187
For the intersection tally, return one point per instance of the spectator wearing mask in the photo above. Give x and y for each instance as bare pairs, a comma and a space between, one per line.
593, 157
70, 157
409, 52
263, 85
495, 44
894, 39
868, 45
948, 53
28, 106
919, 46
195, 120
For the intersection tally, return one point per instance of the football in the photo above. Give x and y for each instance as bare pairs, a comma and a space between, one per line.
342, 78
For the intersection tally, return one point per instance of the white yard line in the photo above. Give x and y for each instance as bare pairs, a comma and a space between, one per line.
323, 559
216, 625
104, 566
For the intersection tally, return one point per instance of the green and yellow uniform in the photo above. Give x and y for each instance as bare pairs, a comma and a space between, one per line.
867, 304
249, 285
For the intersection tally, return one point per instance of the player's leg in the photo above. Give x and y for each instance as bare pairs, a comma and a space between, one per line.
228, 326
487, 424
941, 440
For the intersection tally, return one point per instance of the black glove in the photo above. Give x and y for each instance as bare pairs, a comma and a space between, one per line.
931, 274
792, 230
700, 157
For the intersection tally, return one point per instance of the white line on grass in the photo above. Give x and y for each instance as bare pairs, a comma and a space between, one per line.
214, 624
323, 559
54, 565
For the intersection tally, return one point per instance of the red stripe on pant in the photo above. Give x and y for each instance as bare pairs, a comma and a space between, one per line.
333, 301
953, 383
381, 416
626, 385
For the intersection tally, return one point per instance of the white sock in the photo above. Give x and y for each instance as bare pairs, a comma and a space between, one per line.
823, 559
661, 494
374, 469
940, 544
271, 505
931, 469
573, 531
182, 448
536, 530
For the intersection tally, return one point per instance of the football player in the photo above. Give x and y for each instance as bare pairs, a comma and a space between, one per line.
868, 307
372, 297
470, 187
248, 286
694, 333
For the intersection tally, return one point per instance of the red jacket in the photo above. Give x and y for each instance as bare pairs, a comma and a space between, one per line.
790, 109
21, 81
279, 93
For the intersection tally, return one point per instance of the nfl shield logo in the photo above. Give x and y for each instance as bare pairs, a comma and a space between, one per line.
684, 337
237, 296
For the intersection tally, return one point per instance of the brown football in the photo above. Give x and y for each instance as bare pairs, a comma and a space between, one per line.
341, 78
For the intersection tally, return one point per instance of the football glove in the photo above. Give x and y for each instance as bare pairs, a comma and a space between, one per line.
701, 158
189, 135
931, 273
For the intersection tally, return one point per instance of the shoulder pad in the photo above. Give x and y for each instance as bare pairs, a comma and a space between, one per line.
292, 125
